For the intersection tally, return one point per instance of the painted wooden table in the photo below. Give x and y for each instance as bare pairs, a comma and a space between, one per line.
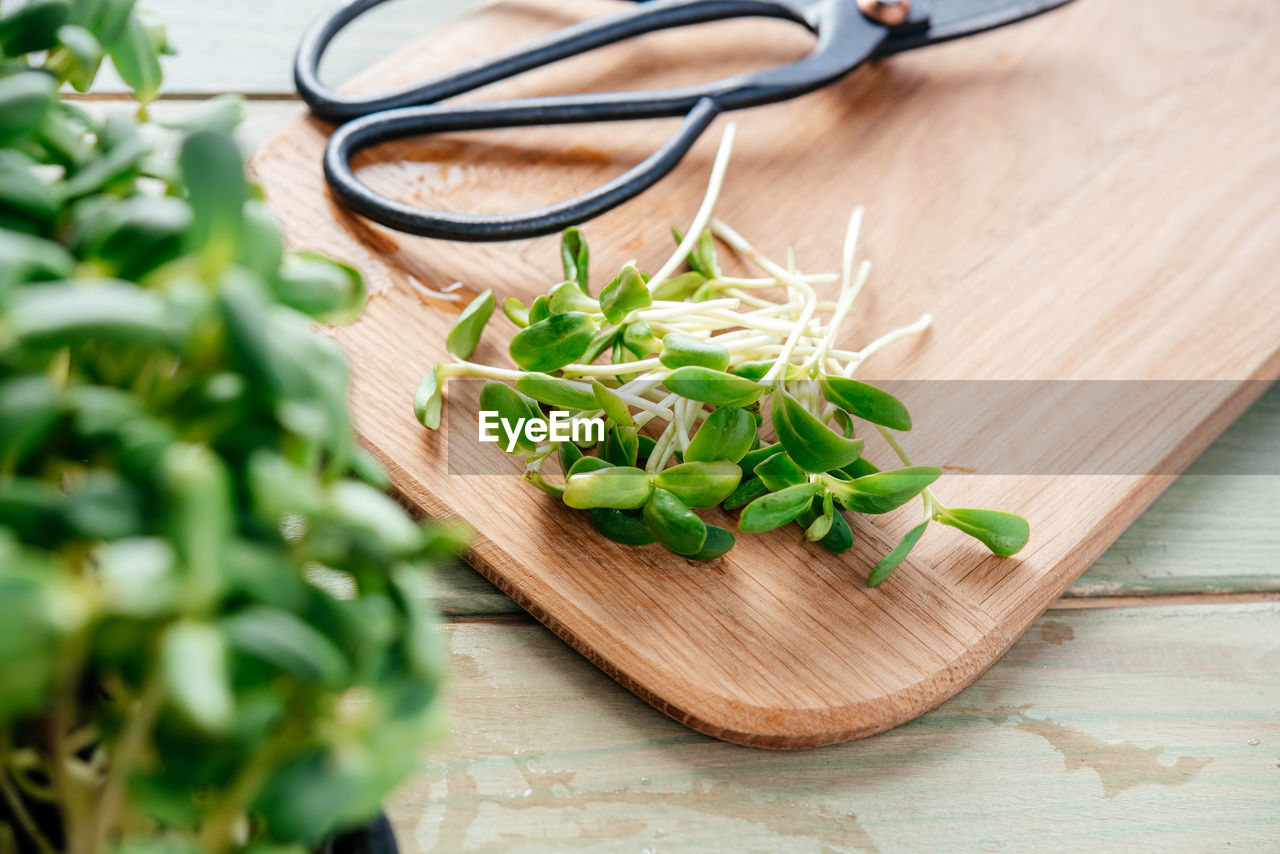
1142, 712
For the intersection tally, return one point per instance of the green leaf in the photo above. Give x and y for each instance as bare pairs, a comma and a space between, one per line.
568, 454
700, 484
585, 464
557, 392
889, 562
76, 58
514, 411
679, 350
821, 526
288, 644
810, 443
714, 387
216, 189
621, 445
515, 311
1004, 533
622, 488
139, 577
603, 340
777, 508
373, 513
567, 296
726, 434
622, 526
33, 27
136, 56
755, 371
679, 288
25, 99
883, 491
73, 312
702, 259
718, 543
104, 506
749, 489
613, 406
130, 238
106, 19
24, 258
193, 667
539, 309
261, 247
429, 398
840, 538
465, 333
755, 457
623, 295
321, 288
639, 339
574, 255
867, 402
780, 471
553, 342
678, 527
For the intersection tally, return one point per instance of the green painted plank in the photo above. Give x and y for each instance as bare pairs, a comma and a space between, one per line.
1152, 729
1207, 532
248, 45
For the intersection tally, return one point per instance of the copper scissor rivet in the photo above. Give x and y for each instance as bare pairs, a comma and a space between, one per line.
891, 13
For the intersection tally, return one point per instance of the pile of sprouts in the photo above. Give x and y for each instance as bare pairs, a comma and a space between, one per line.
712, 391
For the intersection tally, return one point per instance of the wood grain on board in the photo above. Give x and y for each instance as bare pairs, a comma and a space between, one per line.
1092, 195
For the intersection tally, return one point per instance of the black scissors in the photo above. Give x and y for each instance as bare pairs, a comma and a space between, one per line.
849, 32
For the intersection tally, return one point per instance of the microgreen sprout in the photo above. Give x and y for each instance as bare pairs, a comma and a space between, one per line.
685, 369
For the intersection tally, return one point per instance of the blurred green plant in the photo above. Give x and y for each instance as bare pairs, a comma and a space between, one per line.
211, 632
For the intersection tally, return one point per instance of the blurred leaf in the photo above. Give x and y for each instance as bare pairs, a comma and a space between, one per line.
193, 657
321, 288
32, 27
216, 190
136, 56
287, 643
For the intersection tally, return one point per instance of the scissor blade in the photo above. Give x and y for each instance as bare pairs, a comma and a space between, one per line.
954, 19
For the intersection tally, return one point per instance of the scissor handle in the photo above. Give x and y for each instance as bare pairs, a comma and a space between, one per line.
845, 39
379, 127
646, 17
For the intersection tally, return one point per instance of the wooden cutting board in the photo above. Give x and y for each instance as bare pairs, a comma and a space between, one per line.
1090, 195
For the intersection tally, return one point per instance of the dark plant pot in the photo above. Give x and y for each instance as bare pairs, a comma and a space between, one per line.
376, 837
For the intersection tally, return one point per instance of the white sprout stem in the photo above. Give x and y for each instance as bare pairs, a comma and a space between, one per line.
849, 288
740, 244
703, 216
925, 321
